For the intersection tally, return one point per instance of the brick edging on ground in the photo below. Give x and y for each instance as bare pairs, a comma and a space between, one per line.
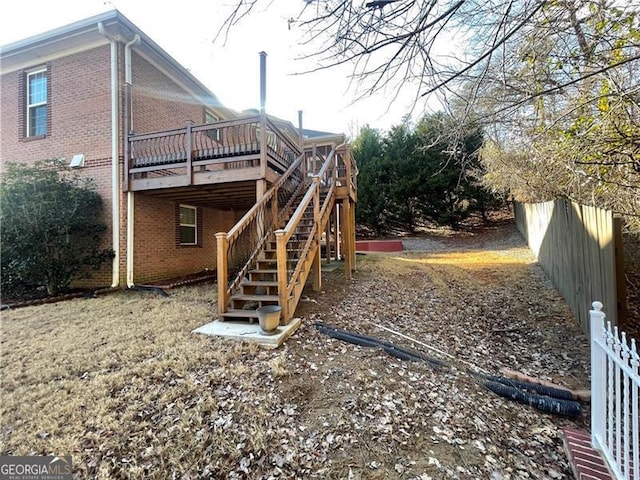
586, 462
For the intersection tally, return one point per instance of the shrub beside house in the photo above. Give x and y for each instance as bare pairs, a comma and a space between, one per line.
63, 96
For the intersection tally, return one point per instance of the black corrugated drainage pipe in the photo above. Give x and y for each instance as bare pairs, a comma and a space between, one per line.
571, 408
542, 397
531, 387
366, 341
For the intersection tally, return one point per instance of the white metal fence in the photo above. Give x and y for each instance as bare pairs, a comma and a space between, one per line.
615, 386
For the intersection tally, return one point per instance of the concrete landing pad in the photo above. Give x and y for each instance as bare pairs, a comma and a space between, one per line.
249, 332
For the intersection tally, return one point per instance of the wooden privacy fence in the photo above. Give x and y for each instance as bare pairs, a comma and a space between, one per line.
615, 401
580, 249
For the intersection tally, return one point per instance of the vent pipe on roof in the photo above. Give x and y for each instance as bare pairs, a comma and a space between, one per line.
261, 185
263, 82
300, 133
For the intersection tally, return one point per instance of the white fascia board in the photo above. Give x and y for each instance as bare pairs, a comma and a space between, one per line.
38, 57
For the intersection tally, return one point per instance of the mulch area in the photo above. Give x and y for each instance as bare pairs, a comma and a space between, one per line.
192, 279
40, 298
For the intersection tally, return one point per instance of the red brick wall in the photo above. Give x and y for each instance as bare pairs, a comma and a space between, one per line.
158, 103
156, 255
79, 121
79, 109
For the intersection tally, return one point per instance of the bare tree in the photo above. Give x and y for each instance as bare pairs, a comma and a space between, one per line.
564, 107
554, 83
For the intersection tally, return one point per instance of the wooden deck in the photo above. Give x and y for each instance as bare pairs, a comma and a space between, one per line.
197, 155
218, 164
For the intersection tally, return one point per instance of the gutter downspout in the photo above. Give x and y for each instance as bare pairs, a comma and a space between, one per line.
115, 190
130, 194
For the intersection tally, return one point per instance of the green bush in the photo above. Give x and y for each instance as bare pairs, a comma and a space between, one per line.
415, 175
52, 227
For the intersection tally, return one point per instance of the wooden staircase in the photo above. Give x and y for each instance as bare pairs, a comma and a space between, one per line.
284, 245
259, 287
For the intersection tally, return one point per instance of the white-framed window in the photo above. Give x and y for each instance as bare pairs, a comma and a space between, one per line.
211, 117
36, 103
188, 225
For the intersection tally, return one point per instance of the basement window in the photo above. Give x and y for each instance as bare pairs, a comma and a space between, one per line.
188, 225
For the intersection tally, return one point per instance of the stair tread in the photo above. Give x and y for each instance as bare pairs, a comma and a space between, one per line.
275, 260
273, 250
259, 283
255, 297
266, 270
240, 313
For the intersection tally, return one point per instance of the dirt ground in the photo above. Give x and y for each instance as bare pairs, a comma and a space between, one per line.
121, 384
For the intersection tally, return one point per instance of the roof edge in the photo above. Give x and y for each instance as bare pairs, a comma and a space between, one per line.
51, 35
111, 17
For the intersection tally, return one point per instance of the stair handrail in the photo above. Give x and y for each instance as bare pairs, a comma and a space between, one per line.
331, 174
241, 224
304, 203
286, 282
292, 145
226, 240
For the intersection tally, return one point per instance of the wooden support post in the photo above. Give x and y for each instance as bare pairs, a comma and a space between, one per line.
352, 231
327, 240
317, 263
274, 209
339, 232
188, 148
346, 235
222, 265
354, 177
261, 188
303, 166
336, 234
314, 152
347, 164
281, 258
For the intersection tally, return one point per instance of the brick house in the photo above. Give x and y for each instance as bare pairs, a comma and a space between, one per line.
91, 92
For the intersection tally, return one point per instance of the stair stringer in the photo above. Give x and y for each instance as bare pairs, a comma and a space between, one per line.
294, 292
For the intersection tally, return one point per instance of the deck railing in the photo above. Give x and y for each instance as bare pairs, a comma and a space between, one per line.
215, 146
615, 388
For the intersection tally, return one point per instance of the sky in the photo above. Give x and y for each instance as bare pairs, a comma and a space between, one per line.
186, 29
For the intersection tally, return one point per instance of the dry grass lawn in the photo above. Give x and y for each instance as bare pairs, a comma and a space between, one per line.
121, 383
